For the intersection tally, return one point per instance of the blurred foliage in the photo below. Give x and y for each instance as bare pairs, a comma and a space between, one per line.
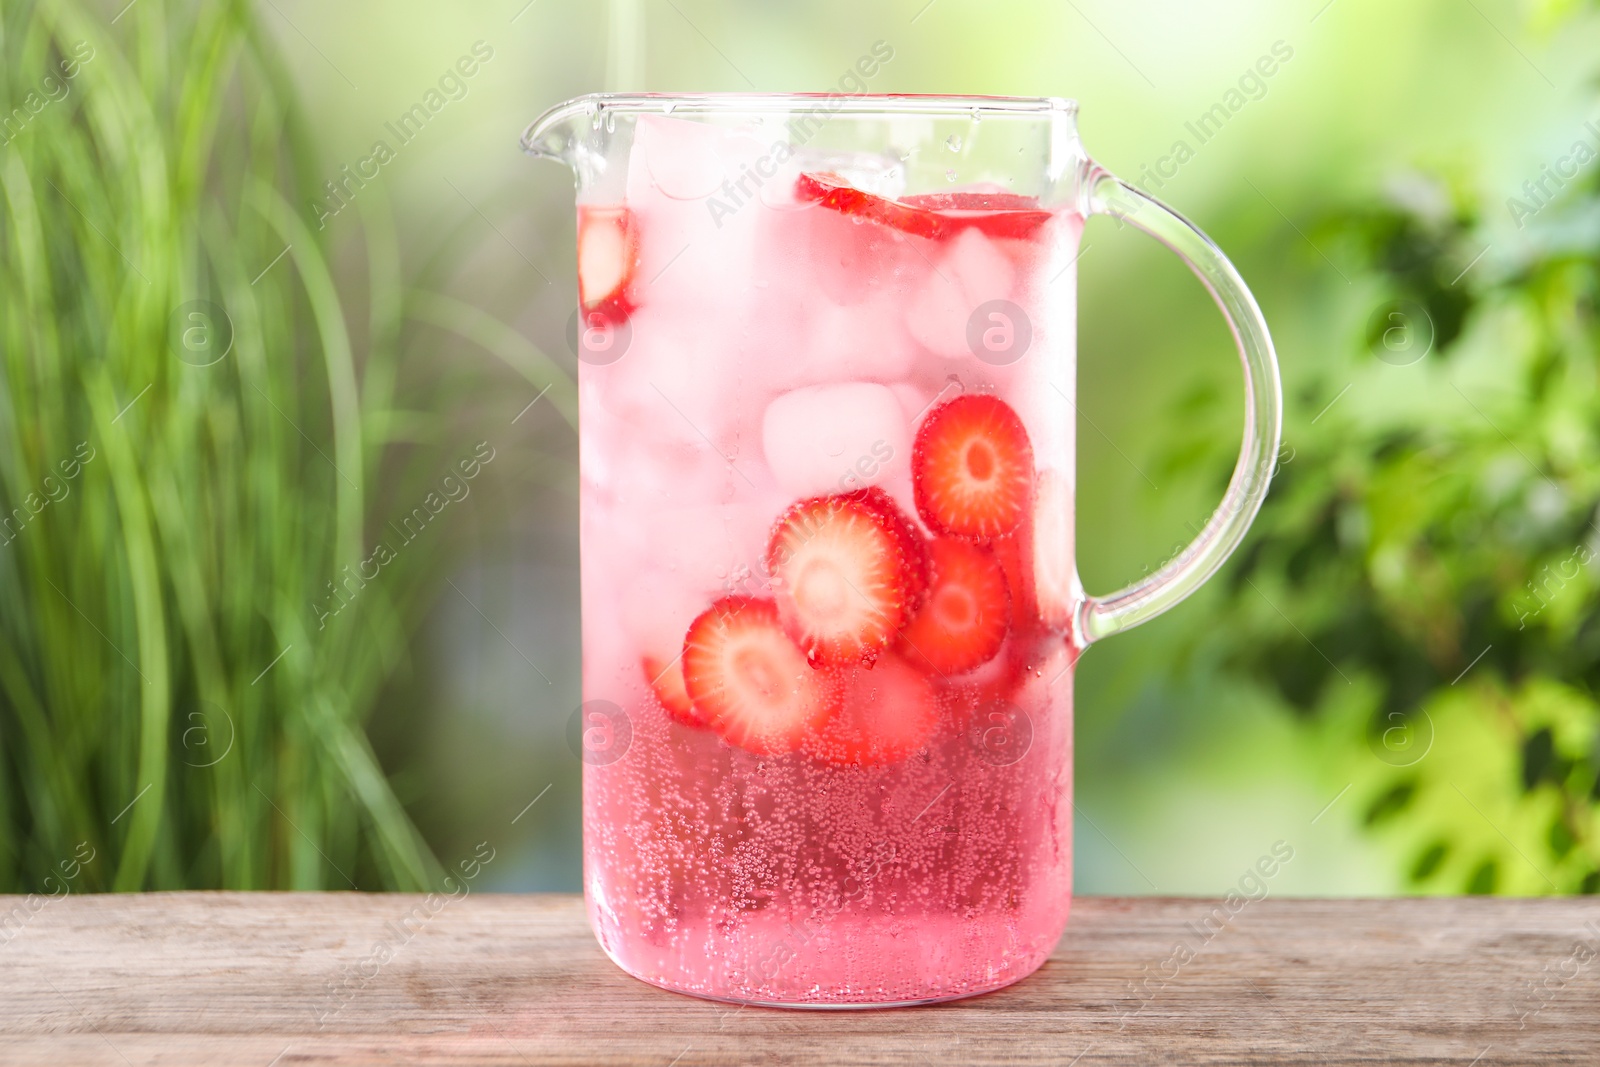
1439, 510
200, 438
1422, 585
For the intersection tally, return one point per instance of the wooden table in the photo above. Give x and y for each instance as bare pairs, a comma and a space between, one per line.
243, 978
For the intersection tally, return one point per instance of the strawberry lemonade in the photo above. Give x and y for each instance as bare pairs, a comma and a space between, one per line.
827, 454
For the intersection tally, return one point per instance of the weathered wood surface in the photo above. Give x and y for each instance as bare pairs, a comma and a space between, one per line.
243, 978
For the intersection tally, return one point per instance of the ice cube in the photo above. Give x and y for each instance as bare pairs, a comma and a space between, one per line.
696, 224
711, 552
973, 272
670, 386
833, 438
849, 259
657, 608
913, 400
651, 460
862, 341
681, 158
804, 340
1055, 576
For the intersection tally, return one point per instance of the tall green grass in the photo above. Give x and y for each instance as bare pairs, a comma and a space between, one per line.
166, 693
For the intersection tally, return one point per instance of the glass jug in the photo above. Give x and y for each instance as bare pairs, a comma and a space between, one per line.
830, 604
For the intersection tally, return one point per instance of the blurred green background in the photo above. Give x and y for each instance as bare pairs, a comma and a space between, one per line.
1389, 679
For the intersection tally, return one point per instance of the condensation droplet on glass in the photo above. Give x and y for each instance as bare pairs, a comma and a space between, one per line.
949, 175
953, 142
611, 122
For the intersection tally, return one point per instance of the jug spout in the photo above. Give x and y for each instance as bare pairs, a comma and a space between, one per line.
557, 133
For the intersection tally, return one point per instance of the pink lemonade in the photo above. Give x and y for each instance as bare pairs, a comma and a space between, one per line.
827, 535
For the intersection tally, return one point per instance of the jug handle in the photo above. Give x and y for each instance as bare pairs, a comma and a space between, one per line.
1098, 617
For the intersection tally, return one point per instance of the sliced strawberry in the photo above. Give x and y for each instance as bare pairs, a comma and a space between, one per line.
839, 572
1014, 553
968, 612
972, 468
935, 216
996, 214
887, 713
749, 681
608, 252
832, 191
912, 546
666, 682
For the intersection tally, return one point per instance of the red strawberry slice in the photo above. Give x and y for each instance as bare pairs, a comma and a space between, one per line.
839, 573
1014, 553
908, 536
996, 214
608, 252
935, 216
666, 682
972, 468
968, 612
832, 191
887, 712
749, 681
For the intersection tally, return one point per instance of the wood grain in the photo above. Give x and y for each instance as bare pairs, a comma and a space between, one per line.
244, 978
